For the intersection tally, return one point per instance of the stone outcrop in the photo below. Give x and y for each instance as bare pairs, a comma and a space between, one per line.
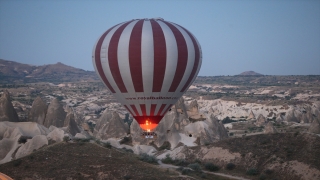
135, 132
7, 111
270, 129
35, 143
11, 129
110, 125
251, 116
261, 121
56, 134
71, 124
280, 117
7, 148
38, 111
193, 112
18, 139
207, 131
176, 127
12, 135
55, 115
299, 113
315, 127
291, 116
73, 128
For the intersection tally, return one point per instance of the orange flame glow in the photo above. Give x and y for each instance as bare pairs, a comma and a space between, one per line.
148, 126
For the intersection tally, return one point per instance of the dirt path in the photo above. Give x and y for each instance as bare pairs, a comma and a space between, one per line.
208, 172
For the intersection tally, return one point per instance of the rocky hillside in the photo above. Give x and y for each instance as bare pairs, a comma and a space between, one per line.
83, 161
11, 71
300, 113
284, 156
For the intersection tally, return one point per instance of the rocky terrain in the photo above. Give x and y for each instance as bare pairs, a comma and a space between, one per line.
272, 156
254, 121
84, 161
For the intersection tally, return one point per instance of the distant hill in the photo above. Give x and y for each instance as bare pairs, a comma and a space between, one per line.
250, 73
14, 72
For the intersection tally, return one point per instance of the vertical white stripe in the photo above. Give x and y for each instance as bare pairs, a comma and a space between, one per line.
104, 60
147, 57
200, 62
171, 64
147, 61
190, 60
105, 64
172, 57
123, 58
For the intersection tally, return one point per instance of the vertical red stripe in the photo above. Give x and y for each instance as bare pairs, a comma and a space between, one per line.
135, 56
196, 61
128, 109
160, 56
135, 110
97, 58
153, 108
164, 112
161, 109
182, 57
143, 109
113, 58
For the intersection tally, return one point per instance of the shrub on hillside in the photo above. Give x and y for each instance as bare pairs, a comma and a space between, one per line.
148, 158
107, 145
227, 120
66, 138
167, 159
268, 171
177, 162
195, 166
230, 166
127, 150
17, 162
211, 167
252, 172
185, 171
165, 145
125, 140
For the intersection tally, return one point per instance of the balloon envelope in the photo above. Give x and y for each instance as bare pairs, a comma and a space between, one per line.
147, 64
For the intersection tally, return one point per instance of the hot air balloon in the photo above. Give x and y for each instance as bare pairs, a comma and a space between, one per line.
147, 64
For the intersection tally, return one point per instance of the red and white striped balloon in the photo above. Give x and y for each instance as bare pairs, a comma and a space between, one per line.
147, 64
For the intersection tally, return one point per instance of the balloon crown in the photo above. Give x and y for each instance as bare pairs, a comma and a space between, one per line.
147, 19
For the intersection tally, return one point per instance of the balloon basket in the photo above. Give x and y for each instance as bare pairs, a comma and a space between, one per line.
149, 135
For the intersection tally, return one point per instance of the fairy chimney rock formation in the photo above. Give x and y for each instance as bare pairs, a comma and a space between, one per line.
38, 111
251, 116
270, 129
71, 124
261, 120
110, 125
7, 111
55, 115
